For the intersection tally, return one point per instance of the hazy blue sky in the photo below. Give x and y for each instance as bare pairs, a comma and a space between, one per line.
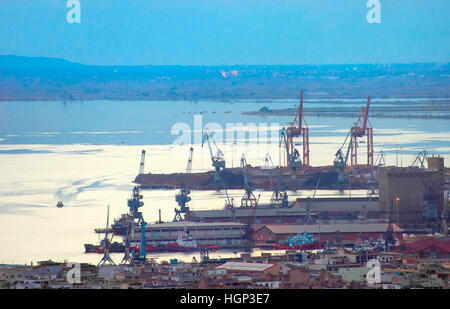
214, 32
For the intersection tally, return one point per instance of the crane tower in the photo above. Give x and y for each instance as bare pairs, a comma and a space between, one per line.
362, 128
298, 128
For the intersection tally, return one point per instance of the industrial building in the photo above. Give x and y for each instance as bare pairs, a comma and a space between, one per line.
413, 195
326, 232
251, 215
224, 235
430, 247
341, 208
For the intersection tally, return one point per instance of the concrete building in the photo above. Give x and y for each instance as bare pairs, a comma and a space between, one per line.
10, 274
354, 274
413, 195
249, 268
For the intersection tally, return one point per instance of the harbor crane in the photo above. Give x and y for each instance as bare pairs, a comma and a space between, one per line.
218, 161
267, 162
362, 127
309, 204
106, 257
298, 128
127, 258
141, 256
249, 199
340, 161
141, 166
279, 196
420, 159
189, 164
380, 161
229, 204
134, 203
182, 197
294, 161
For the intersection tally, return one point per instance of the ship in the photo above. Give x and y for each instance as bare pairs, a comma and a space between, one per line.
114, 247
185, 243
148, 248
127, 221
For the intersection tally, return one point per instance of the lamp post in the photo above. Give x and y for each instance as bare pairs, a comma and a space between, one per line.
397, 199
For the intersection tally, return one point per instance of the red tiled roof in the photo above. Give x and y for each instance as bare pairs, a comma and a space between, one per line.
419, 245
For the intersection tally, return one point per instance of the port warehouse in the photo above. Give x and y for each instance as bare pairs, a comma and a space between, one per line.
335, 233
438, 247
407, 196
229, 228
324, 209
223, 234
234, 235
352, 218
413, 195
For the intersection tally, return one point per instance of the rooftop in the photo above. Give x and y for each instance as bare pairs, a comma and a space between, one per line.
243, 266
330, 228
247, 212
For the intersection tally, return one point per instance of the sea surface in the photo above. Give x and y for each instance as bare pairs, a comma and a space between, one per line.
87, 154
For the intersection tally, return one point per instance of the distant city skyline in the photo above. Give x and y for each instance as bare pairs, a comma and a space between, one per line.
227, 32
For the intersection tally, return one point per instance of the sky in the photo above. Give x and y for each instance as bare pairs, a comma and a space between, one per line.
227, 32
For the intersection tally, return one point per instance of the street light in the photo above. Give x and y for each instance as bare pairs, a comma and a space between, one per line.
397, 199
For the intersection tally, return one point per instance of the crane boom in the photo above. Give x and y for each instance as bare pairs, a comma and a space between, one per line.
141, 166
293, 158
249, 199
217, 160
361, 128
297, 128
297, 123
189, 164
341, 159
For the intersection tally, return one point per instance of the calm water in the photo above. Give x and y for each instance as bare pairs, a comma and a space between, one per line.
87, 153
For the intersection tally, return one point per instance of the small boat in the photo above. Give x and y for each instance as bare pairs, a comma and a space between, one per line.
184, 242
60, 204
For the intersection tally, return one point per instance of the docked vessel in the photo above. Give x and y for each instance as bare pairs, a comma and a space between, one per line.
114, 247
184, 242
148, 248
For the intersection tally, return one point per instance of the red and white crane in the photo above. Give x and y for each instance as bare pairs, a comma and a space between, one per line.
361, 128
298, 128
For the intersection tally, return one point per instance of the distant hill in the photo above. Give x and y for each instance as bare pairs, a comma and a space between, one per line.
18, 64
24, 64
33, 78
